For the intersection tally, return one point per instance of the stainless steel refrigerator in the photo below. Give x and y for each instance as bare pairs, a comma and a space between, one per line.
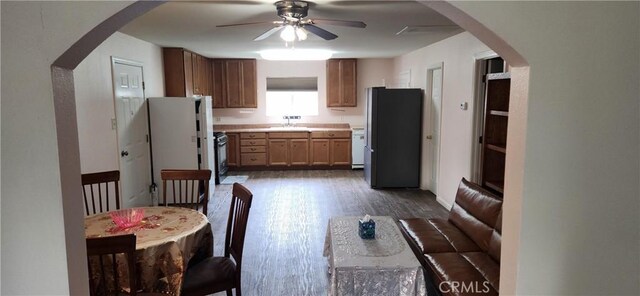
393, 137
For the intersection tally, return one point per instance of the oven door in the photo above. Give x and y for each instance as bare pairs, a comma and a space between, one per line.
221, 151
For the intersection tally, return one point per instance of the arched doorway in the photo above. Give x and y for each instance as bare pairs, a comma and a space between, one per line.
64, 101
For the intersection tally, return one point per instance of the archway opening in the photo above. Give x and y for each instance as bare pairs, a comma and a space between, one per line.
67, 133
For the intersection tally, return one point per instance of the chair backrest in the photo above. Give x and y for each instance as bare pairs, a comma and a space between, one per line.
237, 224
188, 188
106, 249
96, 190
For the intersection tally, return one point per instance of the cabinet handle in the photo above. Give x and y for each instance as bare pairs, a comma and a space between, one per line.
253, 149
252, 143
254, 159
331, 135
252, 136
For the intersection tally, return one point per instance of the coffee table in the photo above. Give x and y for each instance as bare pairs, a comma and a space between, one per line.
385, 265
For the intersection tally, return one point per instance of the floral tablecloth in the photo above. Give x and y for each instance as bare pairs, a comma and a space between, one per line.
166, 239
385, 265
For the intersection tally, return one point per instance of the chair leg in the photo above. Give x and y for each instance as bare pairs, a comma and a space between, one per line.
229, 293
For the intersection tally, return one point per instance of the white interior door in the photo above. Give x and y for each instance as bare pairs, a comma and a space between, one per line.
131, 117
436, 114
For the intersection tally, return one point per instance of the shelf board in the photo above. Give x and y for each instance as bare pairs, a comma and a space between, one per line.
496, 76
496, 148
495, 185
499, 113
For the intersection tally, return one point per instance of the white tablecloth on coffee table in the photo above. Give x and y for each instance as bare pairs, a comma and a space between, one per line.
382, 266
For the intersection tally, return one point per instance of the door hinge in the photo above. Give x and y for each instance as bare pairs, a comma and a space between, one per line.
143, 86
484, 79
480, 140
147, 138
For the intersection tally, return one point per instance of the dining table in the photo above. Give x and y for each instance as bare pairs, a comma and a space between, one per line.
166, 239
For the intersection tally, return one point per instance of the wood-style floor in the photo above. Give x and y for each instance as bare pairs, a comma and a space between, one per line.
288, 222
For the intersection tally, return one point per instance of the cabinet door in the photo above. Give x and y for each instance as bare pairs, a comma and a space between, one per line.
299, 151
217, 84
173, 62
333, 83
233, 147
320, 152
249, 86
233, 84
348, 82
278, 152
188, 73
340, 151
207, 77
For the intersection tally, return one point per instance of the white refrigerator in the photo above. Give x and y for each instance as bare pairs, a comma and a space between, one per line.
181, 136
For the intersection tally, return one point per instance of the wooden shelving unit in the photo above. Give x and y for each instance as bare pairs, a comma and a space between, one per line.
496, 120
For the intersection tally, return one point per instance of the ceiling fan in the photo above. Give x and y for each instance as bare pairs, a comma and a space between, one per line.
295, 25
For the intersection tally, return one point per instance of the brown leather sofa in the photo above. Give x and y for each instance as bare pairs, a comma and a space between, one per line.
461, 254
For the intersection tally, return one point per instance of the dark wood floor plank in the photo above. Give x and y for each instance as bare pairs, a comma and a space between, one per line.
288, 223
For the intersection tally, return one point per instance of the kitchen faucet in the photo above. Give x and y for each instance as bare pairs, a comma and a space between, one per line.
289, 117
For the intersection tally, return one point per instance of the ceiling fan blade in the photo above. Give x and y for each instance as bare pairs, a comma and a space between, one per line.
355, 24
322, 33
253, 23
268, 33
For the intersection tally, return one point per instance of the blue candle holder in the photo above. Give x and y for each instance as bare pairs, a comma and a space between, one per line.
367, 230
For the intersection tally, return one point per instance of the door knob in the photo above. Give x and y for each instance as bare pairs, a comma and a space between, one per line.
124, 153
429, 137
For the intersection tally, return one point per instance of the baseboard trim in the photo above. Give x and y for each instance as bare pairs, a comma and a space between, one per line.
443, 203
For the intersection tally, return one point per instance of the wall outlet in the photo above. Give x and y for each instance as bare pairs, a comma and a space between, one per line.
464, 106
217, 119
114, 124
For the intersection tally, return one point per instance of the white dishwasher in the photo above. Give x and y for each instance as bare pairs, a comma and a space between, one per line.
357, 148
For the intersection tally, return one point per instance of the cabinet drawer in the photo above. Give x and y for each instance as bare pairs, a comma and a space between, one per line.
253, 135
253, 159
253, 149
258, 142
289, 135
330, 134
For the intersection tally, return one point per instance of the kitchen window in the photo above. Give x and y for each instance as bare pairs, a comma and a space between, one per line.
292, 96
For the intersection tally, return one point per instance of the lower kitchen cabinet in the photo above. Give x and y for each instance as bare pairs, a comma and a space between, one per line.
320, 152
288, 152
340, 152
299, 151
278, 152
256, 150
233, 153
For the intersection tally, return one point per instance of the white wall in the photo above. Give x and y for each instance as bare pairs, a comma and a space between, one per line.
94, 97
34, 251
580, 222
371, 72
456, 129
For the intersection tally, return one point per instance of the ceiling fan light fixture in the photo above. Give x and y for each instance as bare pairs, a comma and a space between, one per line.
301, 33
288, 34
296, 54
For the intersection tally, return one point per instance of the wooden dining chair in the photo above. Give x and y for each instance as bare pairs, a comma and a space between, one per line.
189, 188
216, 274
96, 189
104, 280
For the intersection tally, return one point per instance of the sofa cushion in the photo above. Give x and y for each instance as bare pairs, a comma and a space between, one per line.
496, 240
475, 212
437, 236
489, 268
455, 275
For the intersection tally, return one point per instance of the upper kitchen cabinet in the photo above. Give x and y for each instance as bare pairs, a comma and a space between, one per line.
234, 83
341, 83
186, 73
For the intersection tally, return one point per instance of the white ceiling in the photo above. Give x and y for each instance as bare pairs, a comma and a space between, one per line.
192, 25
